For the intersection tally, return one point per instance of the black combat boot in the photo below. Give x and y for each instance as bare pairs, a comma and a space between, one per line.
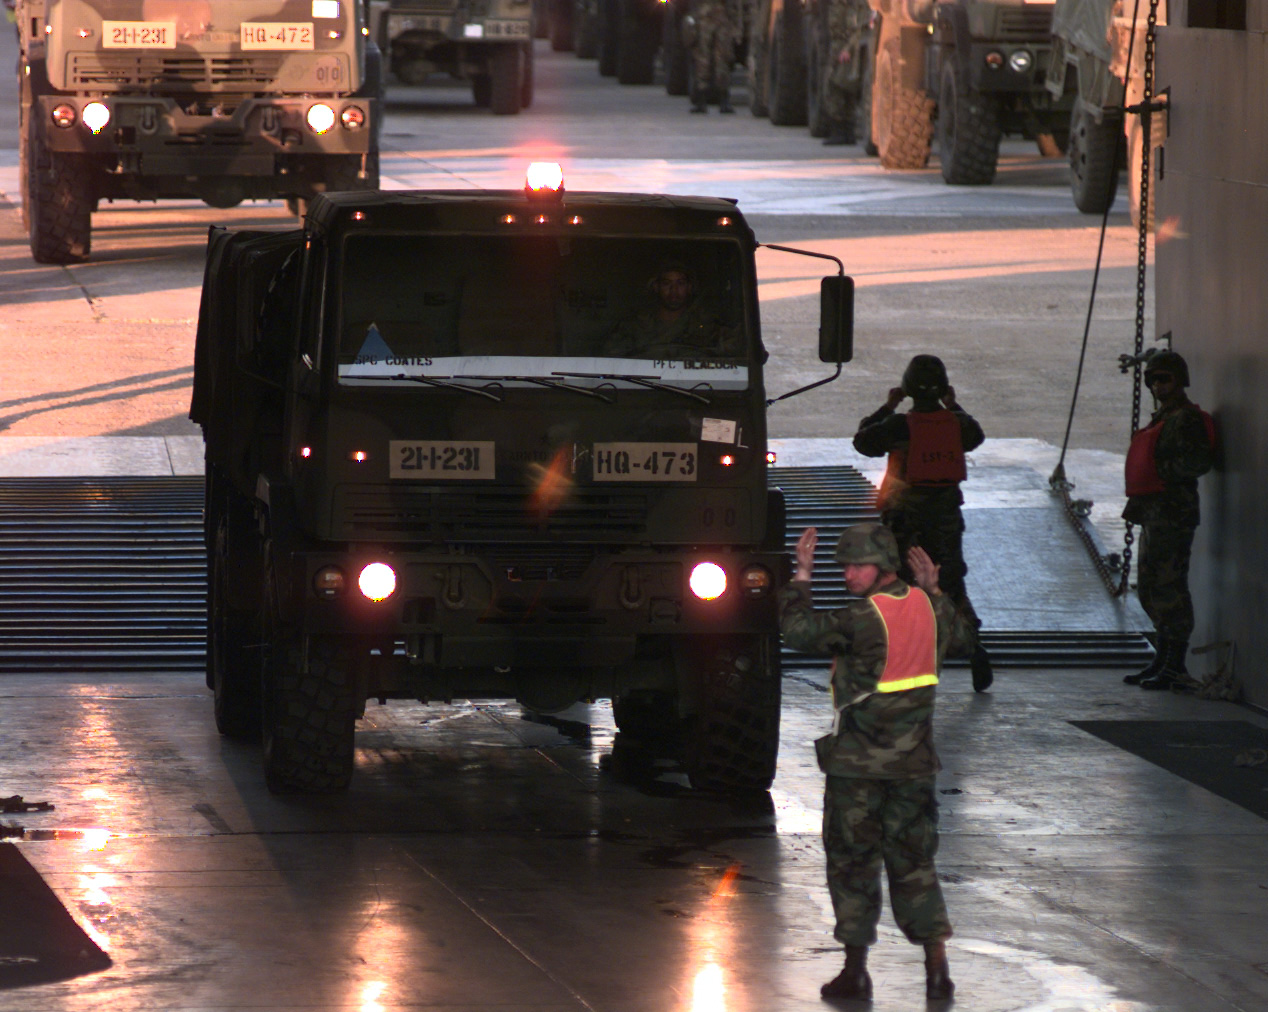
698, 101
1172, 672
938, 983
980, 665
1149, 670
853, 981
840, 133
724, 101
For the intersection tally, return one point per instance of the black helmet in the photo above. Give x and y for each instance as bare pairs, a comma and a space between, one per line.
925, 378
1170, 362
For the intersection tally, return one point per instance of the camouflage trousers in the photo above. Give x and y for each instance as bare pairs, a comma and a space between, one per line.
867, 823
1162, 579
713, 49
841, 85
940, 532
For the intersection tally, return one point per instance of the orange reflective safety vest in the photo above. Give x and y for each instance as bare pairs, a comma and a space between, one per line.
911, 640
1142, 470
936, 451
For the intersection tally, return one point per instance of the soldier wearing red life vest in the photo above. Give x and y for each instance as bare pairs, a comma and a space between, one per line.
880, 803
920, 496
1164, 462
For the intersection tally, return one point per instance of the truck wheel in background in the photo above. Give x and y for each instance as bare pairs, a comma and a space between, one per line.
732, 740
527, 82
233, 637
561, 25
609, 46
863, 107
677, 58
506, 79
902, 117
640, 38
968, 131
1093, 149
59, 205
786, 69
758, 58
817, 69
482, 90
585, 32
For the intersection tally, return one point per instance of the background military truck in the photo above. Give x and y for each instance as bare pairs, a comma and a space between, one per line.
488, 44
629, 36
972, 70
1091, 43
128, 99
429, 474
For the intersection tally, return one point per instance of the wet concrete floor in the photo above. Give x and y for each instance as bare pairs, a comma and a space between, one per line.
481, 861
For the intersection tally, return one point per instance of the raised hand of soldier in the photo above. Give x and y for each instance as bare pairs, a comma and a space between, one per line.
806, 553
948, 398
924, 571
895, 398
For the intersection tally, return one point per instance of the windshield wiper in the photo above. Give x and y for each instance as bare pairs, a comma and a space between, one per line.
446, 382
643, 381
553, 384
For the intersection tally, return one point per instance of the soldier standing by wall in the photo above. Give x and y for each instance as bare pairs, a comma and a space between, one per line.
879, 804
848, 22
715, 33
1164, 462
920, 497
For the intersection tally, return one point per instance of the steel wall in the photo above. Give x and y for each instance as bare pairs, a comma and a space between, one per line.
1212, 295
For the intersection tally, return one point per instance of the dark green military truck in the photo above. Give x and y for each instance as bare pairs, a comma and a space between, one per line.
429, 476
224, 101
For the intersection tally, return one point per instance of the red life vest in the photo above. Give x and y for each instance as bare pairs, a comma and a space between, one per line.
935, 454
1142, 470
911, 636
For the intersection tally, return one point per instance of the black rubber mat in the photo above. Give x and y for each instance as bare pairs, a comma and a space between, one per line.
1203, 752
39, 940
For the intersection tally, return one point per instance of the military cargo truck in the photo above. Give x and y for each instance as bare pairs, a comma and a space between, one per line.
1092, 40
629, 38
437, 468
489, 45
124, 99
971, 70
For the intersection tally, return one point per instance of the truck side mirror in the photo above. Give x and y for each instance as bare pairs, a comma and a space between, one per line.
836, 319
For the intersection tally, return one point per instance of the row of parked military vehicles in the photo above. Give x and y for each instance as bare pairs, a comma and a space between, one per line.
952, 75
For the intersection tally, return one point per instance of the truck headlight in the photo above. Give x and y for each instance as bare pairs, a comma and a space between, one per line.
707, 581
377, 581
1021, 61
95, 116
320, 118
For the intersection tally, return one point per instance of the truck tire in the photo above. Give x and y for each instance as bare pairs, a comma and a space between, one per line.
677, 58
817, 69
1093, 160
786, 69
863, 107
968, 131
527, 83
482, 90
902, 117
636, 52
59, 203
609, 43
561, 25
506, 79
233, 636
756, 63
309, 713
585, 32
733, 740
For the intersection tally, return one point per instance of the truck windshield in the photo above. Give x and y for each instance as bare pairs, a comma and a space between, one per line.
597, 311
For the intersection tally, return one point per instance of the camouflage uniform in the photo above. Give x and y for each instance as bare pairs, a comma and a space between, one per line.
879, 801
713, 50
1169, 518
924, 515
695, 329
848, 22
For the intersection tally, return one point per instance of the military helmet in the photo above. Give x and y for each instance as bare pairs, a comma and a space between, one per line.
925, 378
864, 543
1170, 362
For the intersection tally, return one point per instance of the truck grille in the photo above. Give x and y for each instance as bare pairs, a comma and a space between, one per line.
1026, 24
189, 73
538, 562
381, 511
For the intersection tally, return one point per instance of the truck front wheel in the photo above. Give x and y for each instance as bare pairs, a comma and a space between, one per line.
732, 741
59, 201
786, 69
1093, 156
233, 656
968, 131
902, 117
506, 80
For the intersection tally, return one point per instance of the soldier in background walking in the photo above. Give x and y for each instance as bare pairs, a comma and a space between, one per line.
848, 22
920, 496
880, 806
1164, 462
714, 33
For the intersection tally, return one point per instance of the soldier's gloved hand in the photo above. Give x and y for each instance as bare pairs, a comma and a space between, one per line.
895, 398
948, 399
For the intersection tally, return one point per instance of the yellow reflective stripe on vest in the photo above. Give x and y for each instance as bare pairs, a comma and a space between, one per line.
903, 684
911, 640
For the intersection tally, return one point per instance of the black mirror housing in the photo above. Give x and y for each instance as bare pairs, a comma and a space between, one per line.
836, 319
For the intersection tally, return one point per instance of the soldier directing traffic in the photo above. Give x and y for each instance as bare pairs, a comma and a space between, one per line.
920, 496
880, 763
1164, 462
